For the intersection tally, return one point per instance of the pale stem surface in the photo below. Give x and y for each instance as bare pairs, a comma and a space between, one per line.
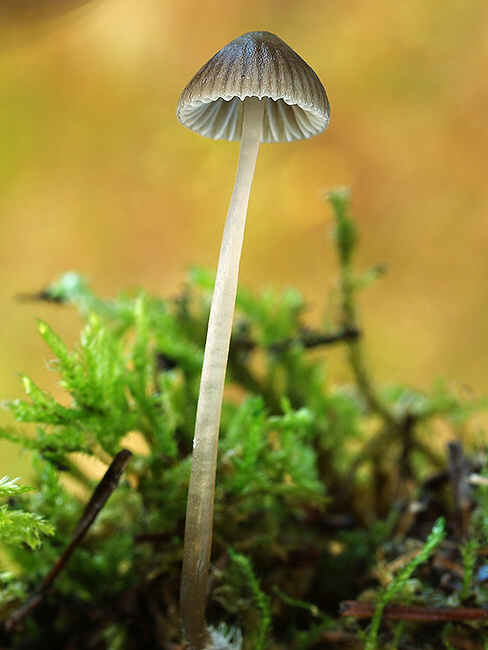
199, 513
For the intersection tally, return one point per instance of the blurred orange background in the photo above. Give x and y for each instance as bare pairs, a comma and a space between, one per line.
97, 176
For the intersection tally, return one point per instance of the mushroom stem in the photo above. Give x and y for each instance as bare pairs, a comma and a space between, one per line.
199, 513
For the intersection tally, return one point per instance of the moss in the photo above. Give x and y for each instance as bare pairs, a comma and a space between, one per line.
315, 479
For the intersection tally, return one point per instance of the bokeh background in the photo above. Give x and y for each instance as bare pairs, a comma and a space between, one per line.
97, 176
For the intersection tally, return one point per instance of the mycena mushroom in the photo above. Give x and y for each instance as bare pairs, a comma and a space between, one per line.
255, 89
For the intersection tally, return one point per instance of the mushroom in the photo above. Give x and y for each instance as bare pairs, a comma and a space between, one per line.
255, 89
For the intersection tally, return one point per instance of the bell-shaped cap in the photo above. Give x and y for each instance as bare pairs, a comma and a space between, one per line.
257, 64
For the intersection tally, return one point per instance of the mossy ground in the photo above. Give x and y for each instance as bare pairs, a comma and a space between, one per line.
326, 493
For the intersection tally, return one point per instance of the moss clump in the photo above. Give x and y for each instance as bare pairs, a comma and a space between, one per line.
313, 487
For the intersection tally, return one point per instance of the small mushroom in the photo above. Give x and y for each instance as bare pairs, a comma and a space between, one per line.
255, 89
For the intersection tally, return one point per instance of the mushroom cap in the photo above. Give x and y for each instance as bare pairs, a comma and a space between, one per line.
257, 64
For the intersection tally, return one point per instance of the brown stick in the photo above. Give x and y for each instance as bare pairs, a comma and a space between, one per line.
358, 609
99, 497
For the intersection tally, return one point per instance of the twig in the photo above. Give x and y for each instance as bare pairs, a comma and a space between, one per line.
308, 338
99, 497
358, 609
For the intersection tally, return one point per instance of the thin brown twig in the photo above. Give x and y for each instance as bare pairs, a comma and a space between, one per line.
358, 609
99, 497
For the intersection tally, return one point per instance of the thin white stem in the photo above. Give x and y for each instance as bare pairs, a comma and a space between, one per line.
199, 513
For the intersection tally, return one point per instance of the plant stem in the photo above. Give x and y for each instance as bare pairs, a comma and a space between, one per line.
199, 513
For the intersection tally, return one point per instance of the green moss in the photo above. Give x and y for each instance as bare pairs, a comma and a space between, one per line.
313, 476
